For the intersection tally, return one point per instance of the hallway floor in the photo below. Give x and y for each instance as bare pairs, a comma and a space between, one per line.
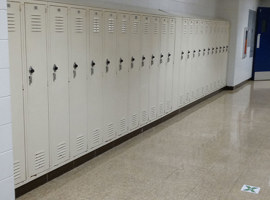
206, 153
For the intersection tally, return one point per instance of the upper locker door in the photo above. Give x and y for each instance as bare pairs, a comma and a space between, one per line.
109, 78
162, 66
134, 71
16, 81
170, 65
58, 84
154, 70
177, 69
145, 68
37, 91
123, 63
95, 98
78, 82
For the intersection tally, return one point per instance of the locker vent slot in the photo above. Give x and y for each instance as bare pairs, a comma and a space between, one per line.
122, 125
146, 28
36, 22
61, 151
39, 160
153, 112
144, 116
96, 137
59, 24
96, 25
135, 27
80, 143
79, 22
134, 121
111, 25
124, 26
164, 28
172, 28
110, 131
11, 22
155, 28
17, 170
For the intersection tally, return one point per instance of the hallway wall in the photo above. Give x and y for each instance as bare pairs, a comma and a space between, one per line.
6, 154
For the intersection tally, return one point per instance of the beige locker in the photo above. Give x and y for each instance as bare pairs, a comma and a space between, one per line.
162, 66
16, 80
123, 63
58, 84
154, 68
170, 65
36, 90
95, 82
109, 77
78, 82
134, 71
177, 69
146, 47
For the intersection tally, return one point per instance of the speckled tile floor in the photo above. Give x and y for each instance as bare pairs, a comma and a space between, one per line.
206, 153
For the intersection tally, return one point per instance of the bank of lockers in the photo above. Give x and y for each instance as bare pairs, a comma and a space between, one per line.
82, 77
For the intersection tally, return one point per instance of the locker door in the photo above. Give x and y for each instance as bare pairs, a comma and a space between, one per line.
123, 63
134, 71
37, 91
58, 85
207, 58
170, 65
162, 67
202, 58
95, 98
78, 82
178, 68
109, 78
184, 61
154, 68
145, 68
16, 81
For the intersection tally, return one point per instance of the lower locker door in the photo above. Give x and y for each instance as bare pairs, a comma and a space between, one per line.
16, 81
95, 82
78, 82
123, 30
37, 91
58, 85
109, 77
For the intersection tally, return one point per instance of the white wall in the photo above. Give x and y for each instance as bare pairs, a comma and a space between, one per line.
6, 154
264, 3
236, 11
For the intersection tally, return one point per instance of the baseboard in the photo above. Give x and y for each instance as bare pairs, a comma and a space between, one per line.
73, 164
237, 86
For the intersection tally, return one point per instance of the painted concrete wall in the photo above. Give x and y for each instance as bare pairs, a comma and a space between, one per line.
6, 154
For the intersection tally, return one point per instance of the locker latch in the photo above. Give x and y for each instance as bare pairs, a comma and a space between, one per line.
182, 55
120, 65
216, 50
220, 49
75, 66
208, 53
31, 72
194, 54
199, 53
204, 51
213, 51
227, 48
161, 58
143, 59
107, 65
132, 61
188, 55
93, 64
55, 68
152, 59
224, 48
169, 57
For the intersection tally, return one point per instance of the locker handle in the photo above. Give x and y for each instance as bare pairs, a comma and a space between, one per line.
161, 55
169, 55
108, 62
153, 57
93, 64
55, 68
31, 70
183, 53
143, 58
132, 59
121, 60
75, 65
